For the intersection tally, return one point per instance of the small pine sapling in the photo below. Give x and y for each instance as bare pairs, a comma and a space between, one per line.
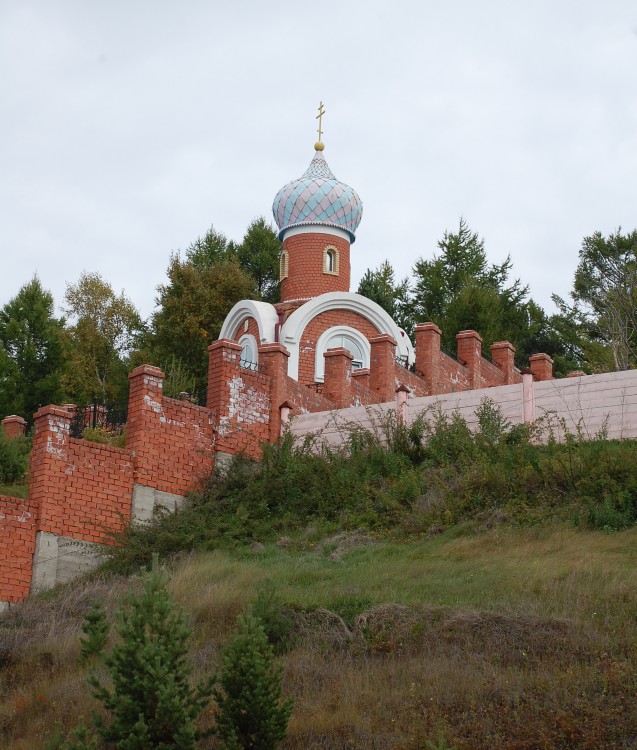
251, 714
96, 630
80, 738
150, 703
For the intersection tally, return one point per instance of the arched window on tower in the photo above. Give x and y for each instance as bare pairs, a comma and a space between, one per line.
283, 265
330, 260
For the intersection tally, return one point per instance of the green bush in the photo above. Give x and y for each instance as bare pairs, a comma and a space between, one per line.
14, 457
436, 473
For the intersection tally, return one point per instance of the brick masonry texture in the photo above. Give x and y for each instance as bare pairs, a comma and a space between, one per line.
318, 326
17, 545
306, 278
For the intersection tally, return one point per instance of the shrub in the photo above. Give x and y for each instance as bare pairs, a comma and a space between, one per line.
251, 715
14, 457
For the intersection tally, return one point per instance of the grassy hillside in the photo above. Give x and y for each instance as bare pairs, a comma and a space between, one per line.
504, 639
432, 581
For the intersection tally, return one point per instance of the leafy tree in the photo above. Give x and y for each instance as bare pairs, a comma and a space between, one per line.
31, 355
605, 293
192, 308
251, 713
258, 255
381, 287
104, 328
150, 703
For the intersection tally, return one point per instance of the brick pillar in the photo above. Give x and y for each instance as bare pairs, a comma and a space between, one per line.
14, 426
274, 358
428, 355
338, 374
470, 353
224, 357
541, 366
382, 378
48, 463
503, 356
145, 408
361, 376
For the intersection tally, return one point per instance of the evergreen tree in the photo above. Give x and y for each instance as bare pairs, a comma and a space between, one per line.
258, 255
251, 713
150, 702
96, 629
31, 352
459, 290
381, 287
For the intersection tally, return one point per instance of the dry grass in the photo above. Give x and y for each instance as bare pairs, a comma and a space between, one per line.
507, 640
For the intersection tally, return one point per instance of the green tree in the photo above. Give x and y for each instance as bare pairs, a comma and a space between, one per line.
192, 308
605, 293
150, 703
258, 255
459, 290
252, 715
95, 629
381, 287
31, 352
104, 329
211, 249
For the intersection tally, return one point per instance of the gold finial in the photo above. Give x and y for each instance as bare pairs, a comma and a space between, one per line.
318, 146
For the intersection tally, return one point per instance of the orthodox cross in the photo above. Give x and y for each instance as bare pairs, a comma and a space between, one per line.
319, 117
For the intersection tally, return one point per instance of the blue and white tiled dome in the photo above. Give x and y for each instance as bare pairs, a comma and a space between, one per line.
317, 198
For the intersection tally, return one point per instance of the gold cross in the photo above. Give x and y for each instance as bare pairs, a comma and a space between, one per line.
319, 117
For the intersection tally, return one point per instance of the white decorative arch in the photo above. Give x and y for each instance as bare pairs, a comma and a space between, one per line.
321, 348
264, 314
292, 329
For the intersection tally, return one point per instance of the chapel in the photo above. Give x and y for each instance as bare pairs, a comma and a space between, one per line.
317, 216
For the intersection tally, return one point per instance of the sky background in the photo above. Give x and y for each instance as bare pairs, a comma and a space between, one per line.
127, 129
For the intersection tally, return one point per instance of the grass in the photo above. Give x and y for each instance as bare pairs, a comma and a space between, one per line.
514, 638
18, 489
435, 581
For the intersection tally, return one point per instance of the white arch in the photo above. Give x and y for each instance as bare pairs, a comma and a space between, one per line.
357, 336
292, 329
264, 314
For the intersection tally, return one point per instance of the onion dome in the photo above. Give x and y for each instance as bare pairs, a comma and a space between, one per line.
317, 198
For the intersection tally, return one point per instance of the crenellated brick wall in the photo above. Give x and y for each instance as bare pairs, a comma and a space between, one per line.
81, 491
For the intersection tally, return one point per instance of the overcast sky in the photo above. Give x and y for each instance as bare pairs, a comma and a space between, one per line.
128, 128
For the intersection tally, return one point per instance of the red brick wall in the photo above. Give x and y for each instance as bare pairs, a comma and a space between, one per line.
172, 440
305, 399
17, 545
245, 424
455, 377
95, 485
490, 374
306, 278
318, 326
416, 384
253, 329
